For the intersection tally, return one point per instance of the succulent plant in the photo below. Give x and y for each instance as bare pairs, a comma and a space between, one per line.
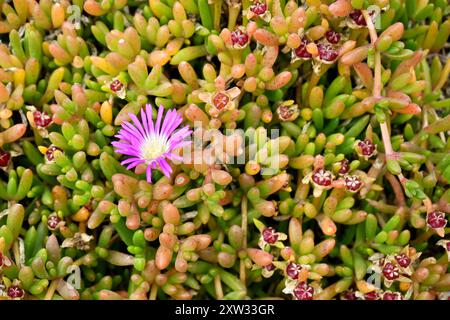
198, 149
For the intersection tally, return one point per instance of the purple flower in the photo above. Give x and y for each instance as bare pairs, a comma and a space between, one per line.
152, 144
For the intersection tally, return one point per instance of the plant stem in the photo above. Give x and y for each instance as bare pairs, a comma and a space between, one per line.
217, 14
153, 292
218, 287
233, 13
51, 289
398, 190
242, 274
377, 85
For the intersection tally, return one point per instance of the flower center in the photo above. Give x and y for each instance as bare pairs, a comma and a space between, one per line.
287, 113
153, 147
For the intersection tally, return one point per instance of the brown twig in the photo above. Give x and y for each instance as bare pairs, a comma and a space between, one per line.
397, 188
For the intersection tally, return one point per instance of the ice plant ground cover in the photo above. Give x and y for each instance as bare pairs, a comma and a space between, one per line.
224, 149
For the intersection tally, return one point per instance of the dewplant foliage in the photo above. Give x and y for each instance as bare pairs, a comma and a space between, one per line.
349, 201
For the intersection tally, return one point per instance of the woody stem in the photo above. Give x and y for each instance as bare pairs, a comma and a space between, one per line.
377, 84
51, 289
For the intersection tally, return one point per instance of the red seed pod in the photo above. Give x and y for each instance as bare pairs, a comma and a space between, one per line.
353, 183
15, 292
367, 148
302, 51
392, 296
326, 52
5, 156
293, 269
403, 260
332, 36
303, 291
371, 296
322, 177
53, 221
239, 38
358, 17
390, 271
42, 119
436, 220
270, 235
344, 167
258, 8
50, 153
116, 85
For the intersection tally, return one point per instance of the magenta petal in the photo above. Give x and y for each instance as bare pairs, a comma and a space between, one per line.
165, 168
149, 111
149, 174
159, 119
145, 121
137, 124
134, 164
128, 127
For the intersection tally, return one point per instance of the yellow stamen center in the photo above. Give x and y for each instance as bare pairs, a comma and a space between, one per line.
153, 147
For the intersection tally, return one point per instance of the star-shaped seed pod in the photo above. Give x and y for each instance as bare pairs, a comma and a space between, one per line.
258, 10
303, 51
39, 120
287, 111
321, 179
220, 100
80, 241
446, 245
437, 221
388, 269
269, 236
116, 86
365, 148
